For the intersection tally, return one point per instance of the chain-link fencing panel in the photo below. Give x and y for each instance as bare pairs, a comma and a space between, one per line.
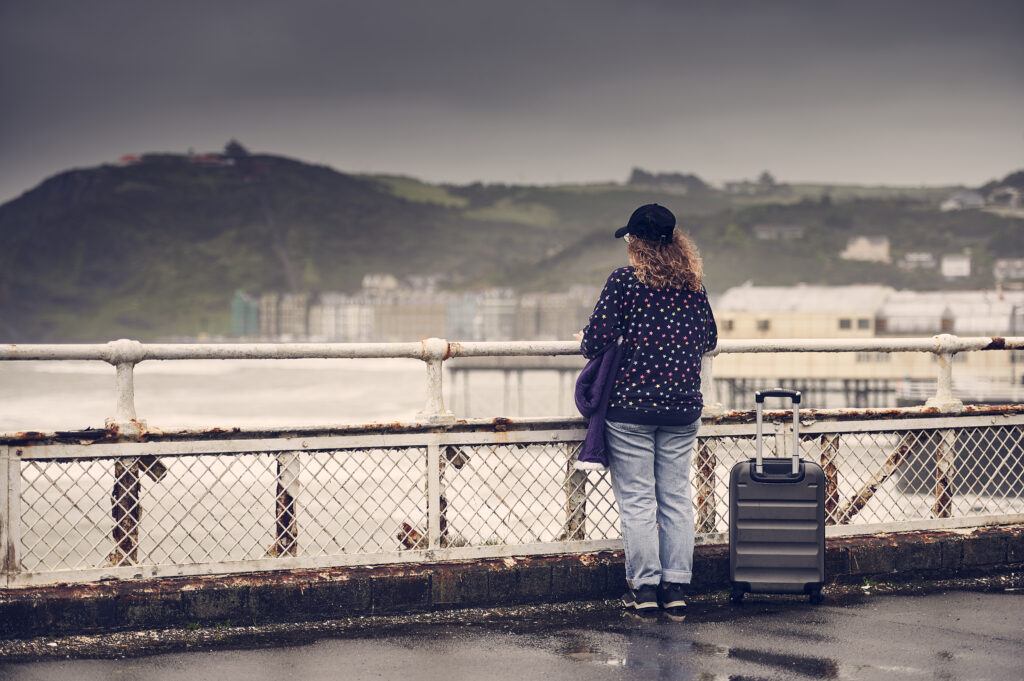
110, 512
83, 513
523, 493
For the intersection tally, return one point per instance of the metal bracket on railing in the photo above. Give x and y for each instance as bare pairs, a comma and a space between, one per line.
435, 351
124, 354
944, 400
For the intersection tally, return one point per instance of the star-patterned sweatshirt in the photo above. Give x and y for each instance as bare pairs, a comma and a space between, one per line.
664, 333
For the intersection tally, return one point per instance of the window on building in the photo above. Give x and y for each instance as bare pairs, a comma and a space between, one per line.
727, 325
863, 323
844, 323
764, 324
880, 325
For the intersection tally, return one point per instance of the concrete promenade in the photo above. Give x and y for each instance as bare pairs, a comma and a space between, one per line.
973, 632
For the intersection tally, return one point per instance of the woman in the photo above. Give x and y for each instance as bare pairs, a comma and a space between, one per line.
659, 308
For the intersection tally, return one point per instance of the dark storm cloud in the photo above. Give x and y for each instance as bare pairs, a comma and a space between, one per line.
531, 91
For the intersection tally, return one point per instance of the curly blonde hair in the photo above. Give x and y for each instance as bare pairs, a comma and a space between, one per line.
676, 264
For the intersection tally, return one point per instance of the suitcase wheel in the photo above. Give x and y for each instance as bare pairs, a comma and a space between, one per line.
816, 598
737, 594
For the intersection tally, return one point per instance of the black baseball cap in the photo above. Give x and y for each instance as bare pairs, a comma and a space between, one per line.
651, 222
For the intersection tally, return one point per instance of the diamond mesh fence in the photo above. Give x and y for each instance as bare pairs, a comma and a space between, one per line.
84, 513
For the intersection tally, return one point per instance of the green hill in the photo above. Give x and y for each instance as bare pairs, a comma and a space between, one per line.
157, 247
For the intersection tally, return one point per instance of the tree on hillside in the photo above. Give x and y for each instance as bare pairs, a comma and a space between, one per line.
234, 149
765, 179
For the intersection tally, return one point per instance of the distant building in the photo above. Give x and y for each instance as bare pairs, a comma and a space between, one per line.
410, 316
245, 315
341, 318
965, 200
293, 315
862, 312
1006, 197
496, 315
1008, 268
742, 188
379, 284
964, 313
211, 160
956, 265
770, 232
269, 319
917, 261
867, 248
799, 311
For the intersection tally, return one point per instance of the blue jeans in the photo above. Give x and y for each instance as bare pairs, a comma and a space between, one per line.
650, 467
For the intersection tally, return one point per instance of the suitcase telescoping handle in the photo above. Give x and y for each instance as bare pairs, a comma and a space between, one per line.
759, 404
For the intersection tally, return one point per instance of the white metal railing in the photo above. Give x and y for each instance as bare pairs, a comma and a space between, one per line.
125, 354
131, 501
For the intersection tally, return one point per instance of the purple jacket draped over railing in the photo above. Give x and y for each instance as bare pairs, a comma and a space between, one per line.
593, 389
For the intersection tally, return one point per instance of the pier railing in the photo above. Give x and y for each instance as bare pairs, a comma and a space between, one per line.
130, 500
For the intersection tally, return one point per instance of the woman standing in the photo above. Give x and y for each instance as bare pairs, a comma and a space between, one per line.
659, 308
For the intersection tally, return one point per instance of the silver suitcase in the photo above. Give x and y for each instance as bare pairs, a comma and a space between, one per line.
777, 518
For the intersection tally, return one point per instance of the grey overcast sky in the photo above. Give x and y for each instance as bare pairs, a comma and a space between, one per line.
523, 91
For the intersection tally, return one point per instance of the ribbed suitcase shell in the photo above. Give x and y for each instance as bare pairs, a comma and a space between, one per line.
777, 527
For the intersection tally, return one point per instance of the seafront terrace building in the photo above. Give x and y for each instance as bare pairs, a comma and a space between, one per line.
386, 314
866, 311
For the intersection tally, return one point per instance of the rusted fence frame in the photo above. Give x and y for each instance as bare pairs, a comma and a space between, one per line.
829, 454
575, 487
945, 462
707, 500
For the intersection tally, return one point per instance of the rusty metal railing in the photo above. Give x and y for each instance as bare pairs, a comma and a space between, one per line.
134, 501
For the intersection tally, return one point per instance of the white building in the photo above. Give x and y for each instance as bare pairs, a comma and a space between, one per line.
773, 232
1008, 268
800, 311
966, 200
867, 248
917, 261
955, 265
962, 313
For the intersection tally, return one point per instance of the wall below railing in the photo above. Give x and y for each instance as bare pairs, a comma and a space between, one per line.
338, 593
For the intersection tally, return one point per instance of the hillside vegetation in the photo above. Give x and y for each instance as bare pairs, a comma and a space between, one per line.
157, 248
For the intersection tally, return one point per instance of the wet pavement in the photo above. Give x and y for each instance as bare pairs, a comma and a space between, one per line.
950, 635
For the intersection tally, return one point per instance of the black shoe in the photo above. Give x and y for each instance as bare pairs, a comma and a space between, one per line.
671, 596
645, 599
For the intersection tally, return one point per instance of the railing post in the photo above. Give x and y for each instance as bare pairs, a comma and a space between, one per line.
707, 500
945, 458
125, 506
124, 354
435, 351
829, 452
575, 486
712, 405
286, 542
10, 514
944, 400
